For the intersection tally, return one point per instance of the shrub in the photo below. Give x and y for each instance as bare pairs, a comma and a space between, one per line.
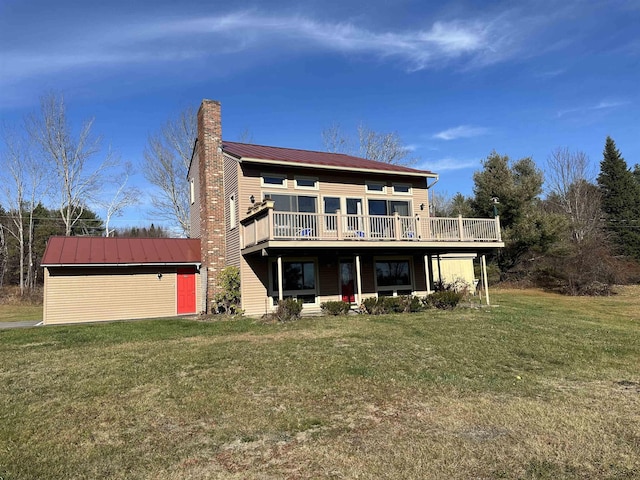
335, 307
443, 299
288, 309
382, 305
228, 300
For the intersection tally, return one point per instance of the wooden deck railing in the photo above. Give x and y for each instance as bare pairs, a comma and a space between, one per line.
266, 224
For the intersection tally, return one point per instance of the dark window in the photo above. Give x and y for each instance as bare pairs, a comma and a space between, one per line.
331, 204
392, 272
273, 180
377, 207
306, 182
293, 203
295, 276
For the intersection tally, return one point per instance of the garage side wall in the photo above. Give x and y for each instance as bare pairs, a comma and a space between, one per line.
74, 295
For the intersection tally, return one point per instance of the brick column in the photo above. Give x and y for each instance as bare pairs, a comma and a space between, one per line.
212, 197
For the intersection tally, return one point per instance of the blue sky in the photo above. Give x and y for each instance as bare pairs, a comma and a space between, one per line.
456, 80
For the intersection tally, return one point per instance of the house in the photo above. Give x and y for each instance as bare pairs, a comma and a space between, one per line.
315, 226
95, 278
319, 226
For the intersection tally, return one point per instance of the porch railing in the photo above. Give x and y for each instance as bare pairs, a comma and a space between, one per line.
266, 224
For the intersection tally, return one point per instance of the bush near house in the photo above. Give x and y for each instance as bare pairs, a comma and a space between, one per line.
335, 307
383, 305
288, 309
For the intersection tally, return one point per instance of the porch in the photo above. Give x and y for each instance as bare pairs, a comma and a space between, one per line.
264, 225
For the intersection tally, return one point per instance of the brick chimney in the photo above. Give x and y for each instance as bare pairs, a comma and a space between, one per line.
210, 172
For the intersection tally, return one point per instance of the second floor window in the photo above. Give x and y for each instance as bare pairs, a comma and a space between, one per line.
294, 203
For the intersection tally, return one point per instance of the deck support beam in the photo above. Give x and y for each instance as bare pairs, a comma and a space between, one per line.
280, 296
485, 284
358, 280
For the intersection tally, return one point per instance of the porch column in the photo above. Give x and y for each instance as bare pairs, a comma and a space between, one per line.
280, 296
358, 281
485, 284
426, 273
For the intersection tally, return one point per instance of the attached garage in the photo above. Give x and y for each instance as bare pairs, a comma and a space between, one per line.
89, 279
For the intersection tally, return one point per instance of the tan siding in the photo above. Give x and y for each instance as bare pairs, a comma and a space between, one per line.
233, 235
80, 295
254, 271
194, 208
330, 184
455, 267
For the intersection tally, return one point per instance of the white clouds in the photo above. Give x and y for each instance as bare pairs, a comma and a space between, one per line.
449, 164
167, 41
462, 131
603, 105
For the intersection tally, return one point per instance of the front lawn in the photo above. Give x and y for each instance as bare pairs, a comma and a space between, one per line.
20, 313
542, 386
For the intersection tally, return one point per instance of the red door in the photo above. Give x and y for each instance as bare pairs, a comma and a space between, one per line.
346, 281
186, 290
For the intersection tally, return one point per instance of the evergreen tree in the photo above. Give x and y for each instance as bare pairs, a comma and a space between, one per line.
526, 229
620, 200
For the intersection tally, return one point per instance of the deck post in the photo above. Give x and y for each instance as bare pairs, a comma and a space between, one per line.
280, 296
498, 232
358, 280
269, 225
339, 224
396, 222
426, 273
485, 284
461, 227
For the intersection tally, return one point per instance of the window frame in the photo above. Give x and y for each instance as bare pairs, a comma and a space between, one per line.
283, 185
273, 289
394, 289
233, 211
297, 186
407, 193
368, 184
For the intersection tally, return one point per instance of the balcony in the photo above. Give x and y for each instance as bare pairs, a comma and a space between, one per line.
263, 224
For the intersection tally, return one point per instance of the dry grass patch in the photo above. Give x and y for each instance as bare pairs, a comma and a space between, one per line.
541, 387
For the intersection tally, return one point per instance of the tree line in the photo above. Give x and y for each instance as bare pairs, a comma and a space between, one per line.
578, 232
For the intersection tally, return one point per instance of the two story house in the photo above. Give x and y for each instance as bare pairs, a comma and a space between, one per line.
317, 226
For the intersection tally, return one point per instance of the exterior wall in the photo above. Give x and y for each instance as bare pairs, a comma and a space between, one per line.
231, 169
195, 203
212, 194
332, 184
75, 294
454, 267
256, 275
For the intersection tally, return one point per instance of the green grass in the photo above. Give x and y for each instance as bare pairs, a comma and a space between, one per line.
542, 386
20, 313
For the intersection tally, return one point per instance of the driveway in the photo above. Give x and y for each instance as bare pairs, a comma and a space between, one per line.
28, 323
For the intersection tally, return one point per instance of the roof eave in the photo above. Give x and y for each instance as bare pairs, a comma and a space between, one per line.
150, 264
424, 174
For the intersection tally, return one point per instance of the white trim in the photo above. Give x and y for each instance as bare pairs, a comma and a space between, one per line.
192, 191
273, 185
407, 193
233, 211
274, 290
394, 288
369, 183
305, 187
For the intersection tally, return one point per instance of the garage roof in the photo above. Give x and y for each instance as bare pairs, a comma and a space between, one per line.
76, 251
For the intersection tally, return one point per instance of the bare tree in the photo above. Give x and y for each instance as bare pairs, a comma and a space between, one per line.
246, 136
384, 147
69, 158
571, 191
124, 196
22, 177
167, 156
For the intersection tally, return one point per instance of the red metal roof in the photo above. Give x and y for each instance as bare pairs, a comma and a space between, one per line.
308, 157
120, 251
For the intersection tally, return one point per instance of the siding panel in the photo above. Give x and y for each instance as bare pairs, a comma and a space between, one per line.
83, 294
